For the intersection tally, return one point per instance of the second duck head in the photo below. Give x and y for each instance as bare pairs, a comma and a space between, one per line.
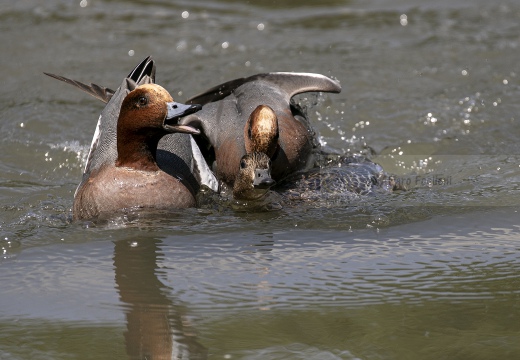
254, 177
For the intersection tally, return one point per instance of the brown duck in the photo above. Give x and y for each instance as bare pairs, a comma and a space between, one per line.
134, 180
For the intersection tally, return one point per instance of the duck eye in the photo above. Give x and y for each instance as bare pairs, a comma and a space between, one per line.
243, 164
142, 101
249, 133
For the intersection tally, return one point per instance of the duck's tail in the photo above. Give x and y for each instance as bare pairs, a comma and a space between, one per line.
142, 73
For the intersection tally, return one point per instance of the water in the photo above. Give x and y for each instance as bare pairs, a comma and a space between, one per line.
429, 88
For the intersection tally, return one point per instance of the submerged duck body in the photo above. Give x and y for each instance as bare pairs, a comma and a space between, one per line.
177, 167
227, 108
348, 178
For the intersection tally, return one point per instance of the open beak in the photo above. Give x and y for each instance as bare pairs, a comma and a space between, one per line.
175, 112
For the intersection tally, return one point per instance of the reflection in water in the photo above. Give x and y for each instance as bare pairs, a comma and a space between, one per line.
155, 328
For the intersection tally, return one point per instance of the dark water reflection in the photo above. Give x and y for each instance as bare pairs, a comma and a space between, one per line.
155, 326
430, 91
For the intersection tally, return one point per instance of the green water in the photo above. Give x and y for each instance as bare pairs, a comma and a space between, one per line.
430, 88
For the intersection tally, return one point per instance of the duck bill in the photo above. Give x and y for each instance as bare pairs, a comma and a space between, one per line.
263, 179
177, 110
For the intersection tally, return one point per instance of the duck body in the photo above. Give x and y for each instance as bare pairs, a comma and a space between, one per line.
227, 107
349, 178
167, 174
177, 153
111, 189
122, 169
134, 179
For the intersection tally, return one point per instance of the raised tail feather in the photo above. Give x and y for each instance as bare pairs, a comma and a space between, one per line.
145, 68
99, 92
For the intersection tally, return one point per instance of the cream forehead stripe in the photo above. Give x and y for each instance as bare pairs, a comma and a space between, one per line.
158, 89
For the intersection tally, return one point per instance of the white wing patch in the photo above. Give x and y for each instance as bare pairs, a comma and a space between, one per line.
93, 144
207, 177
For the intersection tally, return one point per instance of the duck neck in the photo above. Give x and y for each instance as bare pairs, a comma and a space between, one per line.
137, 152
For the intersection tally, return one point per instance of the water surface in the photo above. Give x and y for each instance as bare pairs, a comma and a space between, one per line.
430, 91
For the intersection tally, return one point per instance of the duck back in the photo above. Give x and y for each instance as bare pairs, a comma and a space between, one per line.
226, 108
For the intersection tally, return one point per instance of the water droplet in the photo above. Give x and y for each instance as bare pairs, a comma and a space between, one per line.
505, 82
131, 53
225, 45
403, 19
185, 14
83, 3
182, 45
464, 72
260, 26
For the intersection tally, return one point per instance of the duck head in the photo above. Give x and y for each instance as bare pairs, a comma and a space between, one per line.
254, 177
261, 131
148, 113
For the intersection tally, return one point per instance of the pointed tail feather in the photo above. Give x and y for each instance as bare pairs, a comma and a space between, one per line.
99, 92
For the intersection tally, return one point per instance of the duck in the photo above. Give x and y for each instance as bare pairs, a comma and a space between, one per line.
177, 153
346, 176
134, 179
253, 177
333, 176
344, 179
227, 107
